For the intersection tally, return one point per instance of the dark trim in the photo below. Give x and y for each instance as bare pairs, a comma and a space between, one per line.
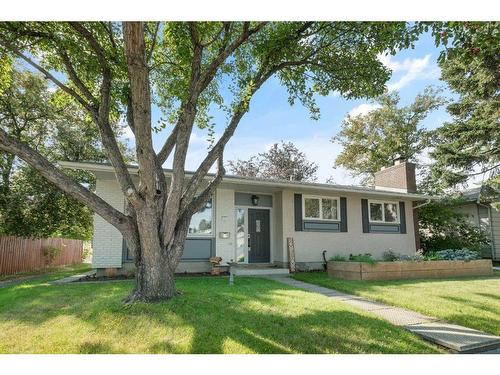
384, 228
128, 259
343, 214
321, 226
364, 216
402, 218
298, 212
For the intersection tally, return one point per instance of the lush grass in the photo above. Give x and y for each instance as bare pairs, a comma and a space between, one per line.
253, 316
471, 302
55, 271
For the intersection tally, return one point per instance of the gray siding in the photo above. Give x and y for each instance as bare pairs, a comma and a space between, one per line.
245, 199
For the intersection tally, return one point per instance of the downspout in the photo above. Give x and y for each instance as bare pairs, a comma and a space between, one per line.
423, 204
490, 224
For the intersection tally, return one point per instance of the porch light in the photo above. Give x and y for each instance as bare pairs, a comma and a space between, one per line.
255, 200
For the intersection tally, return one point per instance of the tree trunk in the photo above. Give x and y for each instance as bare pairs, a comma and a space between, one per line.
155, 262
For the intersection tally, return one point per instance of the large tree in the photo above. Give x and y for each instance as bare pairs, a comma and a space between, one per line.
469, 144
282, 161
374, 140
115, 70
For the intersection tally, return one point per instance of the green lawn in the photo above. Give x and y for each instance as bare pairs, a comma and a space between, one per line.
70, 269
253, 316
471, 302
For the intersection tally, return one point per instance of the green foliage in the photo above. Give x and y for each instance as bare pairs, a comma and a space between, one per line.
50, 253
364, 258
282, 162
442, 227
59, 129
338, 258
469, 144
374, 140
457, 254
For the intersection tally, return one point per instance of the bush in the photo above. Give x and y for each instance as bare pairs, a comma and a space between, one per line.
365, 258
390, 256
338, 258
460, 254
442, 228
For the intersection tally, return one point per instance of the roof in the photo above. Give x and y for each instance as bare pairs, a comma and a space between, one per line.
133, 169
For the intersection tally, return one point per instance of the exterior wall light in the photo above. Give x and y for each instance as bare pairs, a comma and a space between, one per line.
255, 200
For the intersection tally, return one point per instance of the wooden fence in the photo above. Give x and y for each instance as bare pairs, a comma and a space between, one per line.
25, 254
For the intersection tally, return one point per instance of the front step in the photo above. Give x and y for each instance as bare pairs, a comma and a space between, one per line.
247, 271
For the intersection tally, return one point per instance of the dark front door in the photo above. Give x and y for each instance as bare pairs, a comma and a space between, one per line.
259, 239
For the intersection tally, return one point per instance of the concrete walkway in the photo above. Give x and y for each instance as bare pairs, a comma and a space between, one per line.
457, 338
73, 278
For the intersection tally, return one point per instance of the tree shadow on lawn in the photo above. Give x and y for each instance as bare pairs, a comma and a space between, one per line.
254, 315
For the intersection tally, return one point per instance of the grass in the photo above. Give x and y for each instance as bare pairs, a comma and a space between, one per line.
253, 316
70, 269
471, 302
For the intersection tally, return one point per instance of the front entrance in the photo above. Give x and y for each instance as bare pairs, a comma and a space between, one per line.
259, 239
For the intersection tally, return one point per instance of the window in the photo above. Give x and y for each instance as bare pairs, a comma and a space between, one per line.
320, 208
201, 222
384, 212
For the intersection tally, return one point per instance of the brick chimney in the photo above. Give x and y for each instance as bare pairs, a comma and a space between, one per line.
399, 177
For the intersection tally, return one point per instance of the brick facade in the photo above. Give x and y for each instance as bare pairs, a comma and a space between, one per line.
398, 177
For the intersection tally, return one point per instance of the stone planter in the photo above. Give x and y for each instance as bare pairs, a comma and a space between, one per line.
409, 270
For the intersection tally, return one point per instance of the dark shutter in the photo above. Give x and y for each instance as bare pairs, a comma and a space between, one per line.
343, 214
298, 212
364, 215
402, 218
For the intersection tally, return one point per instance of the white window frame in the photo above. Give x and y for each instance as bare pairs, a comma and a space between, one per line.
320, 197
205, 235
370, 201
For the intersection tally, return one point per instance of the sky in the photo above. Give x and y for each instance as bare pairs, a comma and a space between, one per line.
271, 119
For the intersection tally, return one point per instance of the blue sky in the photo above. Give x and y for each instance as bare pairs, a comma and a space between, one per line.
271, 118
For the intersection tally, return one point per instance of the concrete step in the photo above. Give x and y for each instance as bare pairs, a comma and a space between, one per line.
246, 271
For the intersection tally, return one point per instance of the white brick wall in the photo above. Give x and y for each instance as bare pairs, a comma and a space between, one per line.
107, 241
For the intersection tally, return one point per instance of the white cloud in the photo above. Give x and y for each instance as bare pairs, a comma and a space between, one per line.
413, 68
363, 109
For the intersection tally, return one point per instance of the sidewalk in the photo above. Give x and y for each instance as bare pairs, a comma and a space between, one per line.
457, 338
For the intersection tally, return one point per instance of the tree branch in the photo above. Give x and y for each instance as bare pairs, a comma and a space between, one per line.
49, 76
63, 182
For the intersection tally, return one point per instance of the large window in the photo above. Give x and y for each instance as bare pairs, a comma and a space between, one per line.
201, 222
383, 212
320, 208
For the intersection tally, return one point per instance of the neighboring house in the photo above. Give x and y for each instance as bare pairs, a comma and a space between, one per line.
481, 214
249, 220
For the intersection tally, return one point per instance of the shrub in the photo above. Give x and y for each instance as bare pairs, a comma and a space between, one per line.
365, 258
443, 228
390, 256
50, 253
338, 258
459, 254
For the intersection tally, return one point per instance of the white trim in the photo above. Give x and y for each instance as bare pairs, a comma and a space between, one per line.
320, 198
271, 231
382, 202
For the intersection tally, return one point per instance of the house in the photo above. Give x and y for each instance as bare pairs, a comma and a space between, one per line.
249, 220
478, 209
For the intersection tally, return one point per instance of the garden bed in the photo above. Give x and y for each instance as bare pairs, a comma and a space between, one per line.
408, 269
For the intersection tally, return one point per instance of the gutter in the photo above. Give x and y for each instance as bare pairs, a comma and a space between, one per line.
260, 182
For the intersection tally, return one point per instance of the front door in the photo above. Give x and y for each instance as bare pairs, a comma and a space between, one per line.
259, 239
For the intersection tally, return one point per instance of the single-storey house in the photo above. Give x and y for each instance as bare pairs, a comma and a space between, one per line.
250, 221
479, 211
